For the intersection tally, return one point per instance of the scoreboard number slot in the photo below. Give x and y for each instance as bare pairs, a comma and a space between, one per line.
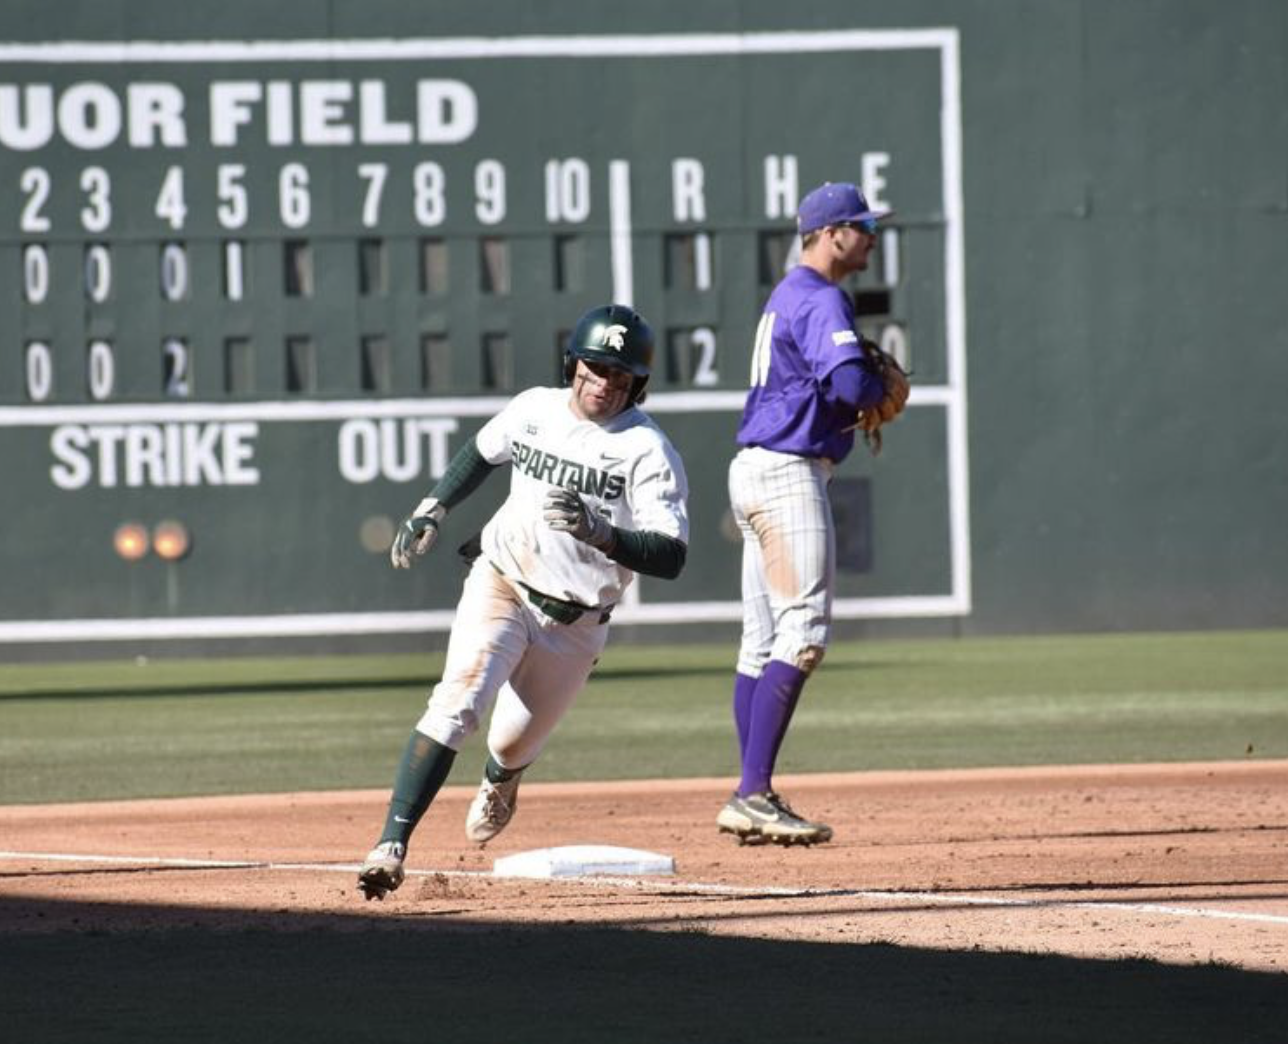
100, 370
35, 273
39, 367
176, 368
174, 272
98, 272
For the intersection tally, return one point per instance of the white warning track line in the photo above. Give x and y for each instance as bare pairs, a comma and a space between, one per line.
682, 887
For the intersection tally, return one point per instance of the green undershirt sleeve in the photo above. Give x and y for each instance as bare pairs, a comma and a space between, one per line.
653, 554
465, 473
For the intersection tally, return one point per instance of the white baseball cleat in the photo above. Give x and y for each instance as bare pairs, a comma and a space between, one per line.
492, 808
382, 871
758, 818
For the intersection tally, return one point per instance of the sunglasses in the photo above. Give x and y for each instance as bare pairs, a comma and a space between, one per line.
868, 225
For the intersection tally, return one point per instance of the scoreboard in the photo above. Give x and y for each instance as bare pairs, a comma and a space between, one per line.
254, 295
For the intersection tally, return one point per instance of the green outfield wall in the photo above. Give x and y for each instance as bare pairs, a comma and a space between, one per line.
263, 271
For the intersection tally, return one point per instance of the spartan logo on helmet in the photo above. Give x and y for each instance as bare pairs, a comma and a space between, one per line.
616, 336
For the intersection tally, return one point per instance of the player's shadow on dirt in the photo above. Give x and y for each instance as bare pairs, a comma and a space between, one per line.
169, 974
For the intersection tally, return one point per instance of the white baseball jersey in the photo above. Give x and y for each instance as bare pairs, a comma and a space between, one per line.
625, 469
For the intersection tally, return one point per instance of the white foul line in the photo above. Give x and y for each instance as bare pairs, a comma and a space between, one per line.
705, 888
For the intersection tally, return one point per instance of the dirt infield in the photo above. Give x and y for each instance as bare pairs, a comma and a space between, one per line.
1184, 865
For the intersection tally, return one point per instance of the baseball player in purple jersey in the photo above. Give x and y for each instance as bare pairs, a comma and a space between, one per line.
597, 495
809, 379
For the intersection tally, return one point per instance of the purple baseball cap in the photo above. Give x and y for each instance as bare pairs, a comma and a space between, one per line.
832, 204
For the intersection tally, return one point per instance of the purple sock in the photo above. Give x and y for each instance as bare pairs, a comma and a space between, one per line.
744, 688
771, 712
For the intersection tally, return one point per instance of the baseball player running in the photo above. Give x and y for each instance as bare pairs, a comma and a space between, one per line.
597, 495
810, 378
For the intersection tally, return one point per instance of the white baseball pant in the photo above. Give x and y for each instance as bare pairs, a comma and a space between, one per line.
504, 650
789, 557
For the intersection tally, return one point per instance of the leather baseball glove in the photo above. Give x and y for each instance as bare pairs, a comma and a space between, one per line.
894, 378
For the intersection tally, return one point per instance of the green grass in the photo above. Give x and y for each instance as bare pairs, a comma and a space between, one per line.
164, 728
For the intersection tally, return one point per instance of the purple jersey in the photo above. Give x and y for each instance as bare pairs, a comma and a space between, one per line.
806, 331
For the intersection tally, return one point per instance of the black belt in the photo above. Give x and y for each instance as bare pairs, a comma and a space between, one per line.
561, 611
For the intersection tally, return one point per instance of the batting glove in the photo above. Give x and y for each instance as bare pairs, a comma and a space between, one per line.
417, 533
566, 512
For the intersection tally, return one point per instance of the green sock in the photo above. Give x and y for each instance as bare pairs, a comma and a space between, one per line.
498, 773
424, 766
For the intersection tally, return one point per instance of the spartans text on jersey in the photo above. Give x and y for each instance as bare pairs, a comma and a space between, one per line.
570, 474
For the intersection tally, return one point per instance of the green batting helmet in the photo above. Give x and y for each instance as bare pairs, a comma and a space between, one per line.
613, 335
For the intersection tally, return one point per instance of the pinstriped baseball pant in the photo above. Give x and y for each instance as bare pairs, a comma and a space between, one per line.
789, 555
